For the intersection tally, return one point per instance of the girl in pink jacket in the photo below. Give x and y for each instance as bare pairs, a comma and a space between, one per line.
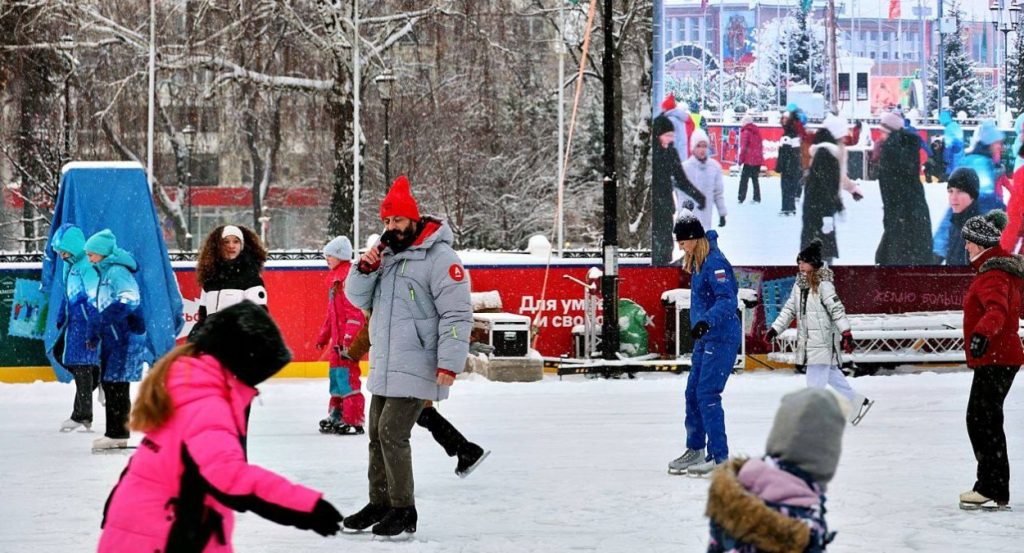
190, 472
345, 412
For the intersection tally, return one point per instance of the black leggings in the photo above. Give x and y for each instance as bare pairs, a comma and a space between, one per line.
985, 428
751, 172
87, 378
119, 405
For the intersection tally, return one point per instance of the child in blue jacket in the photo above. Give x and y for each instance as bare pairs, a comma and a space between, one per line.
81, 281
715, 328
119, 332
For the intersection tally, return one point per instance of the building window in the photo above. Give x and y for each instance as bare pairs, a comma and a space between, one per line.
885, 55
695, 31
862, 85
844, 86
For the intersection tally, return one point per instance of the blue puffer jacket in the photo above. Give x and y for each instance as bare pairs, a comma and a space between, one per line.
81, 281
713, 296
120, 328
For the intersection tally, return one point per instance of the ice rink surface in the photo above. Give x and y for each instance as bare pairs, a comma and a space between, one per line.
576, 465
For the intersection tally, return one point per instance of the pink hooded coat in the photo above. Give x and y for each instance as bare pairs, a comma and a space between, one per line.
343, 319
180, 487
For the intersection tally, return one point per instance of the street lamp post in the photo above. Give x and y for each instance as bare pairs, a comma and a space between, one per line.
189, 135
385, 87
1005, 26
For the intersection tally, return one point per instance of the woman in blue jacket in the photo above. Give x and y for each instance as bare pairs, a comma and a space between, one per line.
715, 328
80, 283
119, 332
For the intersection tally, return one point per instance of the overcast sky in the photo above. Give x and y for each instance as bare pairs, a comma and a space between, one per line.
871, 8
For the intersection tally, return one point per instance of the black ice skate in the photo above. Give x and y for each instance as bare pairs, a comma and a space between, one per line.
343, 429
860, 407
327, 425
398, 522
366, 517
470, 456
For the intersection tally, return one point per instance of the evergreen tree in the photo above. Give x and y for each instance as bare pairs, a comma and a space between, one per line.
1015, 70
965, 91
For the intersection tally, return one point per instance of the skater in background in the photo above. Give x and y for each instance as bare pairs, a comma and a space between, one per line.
666, 169
1013, 234
118, 331
705, 173
822, 201
416, 286
935, 167
180, 489
777, 502
992, 305
229, 270
962, 191
715, 329
751, 157
906, 220
823, 331
346, 409
81, 280
788, 164
952, 141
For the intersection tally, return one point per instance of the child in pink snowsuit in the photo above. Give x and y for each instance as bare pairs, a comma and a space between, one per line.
345, 412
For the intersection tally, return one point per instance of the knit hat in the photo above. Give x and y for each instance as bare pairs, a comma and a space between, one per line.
688, 227
102, 243
965, 180
669, 102
245, 340
232, 230
837, 126
811, 254
661, 125
69, 238
892, 121
988, 133
340, 248
985, 230
698, 136
399, 201
808, 433
746, 120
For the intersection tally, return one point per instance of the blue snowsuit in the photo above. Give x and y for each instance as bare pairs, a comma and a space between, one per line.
81, 281
953, 141
120, 328
712, 300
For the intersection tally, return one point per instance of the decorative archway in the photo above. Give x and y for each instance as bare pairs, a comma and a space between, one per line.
694, 53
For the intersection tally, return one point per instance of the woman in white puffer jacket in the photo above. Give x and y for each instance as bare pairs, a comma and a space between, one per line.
823, 331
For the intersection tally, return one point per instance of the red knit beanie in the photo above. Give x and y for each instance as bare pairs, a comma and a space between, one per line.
669, 102
399, 201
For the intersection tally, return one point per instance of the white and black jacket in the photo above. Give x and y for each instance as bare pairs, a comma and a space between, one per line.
820, 320
232, 282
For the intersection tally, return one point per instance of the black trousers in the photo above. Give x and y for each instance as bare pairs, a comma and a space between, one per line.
790, 192
985, 428
119, 406
87, 378
751, 172
443, 432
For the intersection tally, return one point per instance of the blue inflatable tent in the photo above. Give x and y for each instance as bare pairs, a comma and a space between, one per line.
112, 194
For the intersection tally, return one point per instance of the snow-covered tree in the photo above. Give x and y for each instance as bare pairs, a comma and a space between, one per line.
788, 50
963, 87
1015, 69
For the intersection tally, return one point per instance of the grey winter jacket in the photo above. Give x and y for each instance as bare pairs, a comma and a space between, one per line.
820, 320
706, 176
422, 315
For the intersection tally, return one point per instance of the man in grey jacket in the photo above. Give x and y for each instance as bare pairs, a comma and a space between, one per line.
419, 334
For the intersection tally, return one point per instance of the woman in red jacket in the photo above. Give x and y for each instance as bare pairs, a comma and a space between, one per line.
991, 310
190, 472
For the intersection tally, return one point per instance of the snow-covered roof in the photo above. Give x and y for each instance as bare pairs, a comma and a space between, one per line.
101, 165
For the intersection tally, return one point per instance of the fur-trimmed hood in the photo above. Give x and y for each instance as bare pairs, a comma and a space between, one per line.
1012, 264
824, 275
829, 147
748, 519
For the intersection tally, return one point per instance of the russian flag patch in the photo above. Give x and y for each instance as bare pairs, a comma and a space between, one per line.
720, 275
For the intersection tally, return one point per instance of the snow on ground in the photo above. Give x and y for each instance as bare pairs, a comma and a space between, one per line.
755, 234
577, 465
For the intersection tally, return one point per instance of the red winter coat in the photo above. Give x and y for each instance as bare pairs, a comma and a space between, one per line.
992, 308
1014, 230
751, 149
180, 487
343, 319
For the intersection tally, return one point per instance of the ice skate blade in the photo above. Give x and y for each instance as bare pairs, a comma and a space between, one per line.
404, 536
472, 467
112, 450
988, 506
864, 411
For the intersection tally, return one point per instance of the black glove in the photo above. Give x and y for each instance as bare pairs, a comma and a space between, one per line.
326, 520
846, 342
979, 344
770, 335
857, 196
699, 330
721, 221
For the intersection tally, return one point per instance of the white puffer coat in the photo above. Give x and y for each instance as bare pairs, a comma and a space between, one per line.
820, 320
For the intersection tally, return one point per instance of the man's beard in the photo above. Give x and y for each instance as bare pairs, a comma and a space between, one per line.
400, 240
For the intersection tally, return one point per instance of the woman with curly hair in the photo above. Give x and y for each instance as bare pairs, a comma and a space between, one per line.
228, 270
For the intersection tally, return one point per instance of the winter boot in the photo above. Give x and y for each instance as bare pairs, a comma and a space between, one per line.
398, 521
71, 424
684, 461
703, 468
343, 429
470, 456
858, 408
366, 517
974, 501
104, 443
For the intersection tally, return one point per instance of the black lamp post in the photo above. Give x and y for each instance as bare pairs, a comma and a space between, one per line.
385, 87
189, 136
1006, 27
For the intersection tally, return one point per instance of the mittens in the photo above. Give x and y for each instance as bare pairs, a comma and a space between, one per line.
326, 520
846, 342
979, 345
699, 330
